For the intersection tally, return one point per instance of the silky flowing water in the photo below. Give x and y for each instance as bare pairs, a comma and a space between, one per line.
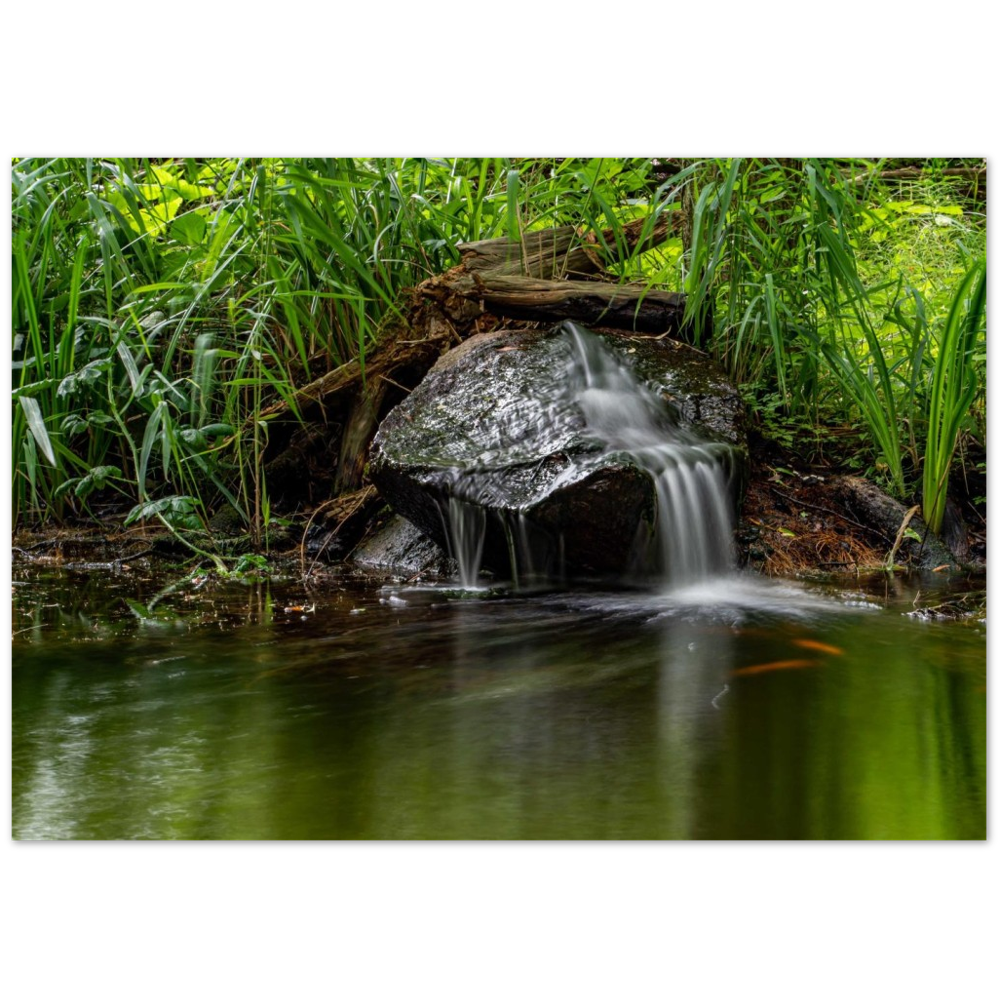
691, 539
362, 711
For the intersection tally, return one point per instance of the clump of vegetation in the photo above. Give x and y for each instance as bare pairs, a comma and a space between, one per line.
160, 307
836, 291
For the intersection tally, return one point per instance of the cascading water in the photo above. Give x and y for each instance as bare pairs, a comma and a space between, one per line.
529, 550
465, 527
690, 538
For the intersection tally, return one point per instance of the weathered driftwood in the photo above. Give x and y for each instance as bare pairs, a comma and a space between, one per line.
624, 307
545, 254
871, 506
566, 253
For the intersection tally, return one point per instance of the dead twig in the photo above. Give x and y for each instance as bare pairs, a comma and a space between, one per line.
899, 535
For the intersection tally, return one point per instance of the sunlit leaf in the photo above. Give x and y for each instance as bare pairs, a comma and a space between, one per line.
192, 192
163, 176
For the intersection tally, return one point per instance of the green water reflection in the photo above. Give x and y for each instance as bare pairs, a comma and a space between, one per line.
408, 715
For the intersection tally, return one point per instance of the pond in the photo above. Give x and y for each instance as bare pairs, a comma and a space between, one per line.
738, 710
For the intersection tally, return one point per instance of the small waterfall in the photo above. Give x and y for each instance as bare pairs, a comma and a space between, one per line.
692, 537
535, 558
465, 529
529, 549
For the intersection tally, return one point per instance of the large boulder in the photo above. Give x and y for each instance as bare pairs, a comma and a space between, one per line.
499, 441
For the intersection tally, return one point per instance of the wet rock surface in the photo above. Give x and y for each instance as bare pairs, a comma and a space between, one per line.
495, 426
400, 547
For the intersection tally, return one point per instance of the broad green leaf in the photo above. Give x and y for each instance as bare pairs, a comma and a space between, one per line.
166, 211
73, 424
189, 229
86, 376
96, 479
173, 509
216, 430
192, 192
193, 437
65, 487
36, 424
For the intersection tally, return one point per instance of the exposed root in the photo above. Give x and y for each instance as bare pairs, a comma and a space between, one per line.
339, 512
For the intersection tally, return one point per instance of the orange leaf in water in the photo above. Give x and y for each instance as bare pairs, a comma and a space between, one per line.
820, 647
764, 668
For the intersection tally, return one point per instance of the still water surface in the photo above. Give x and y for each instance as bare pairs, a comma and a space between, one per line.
741, 712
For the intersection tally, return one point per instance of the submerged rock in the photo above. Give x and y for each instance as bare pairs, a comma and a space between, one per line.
514, 453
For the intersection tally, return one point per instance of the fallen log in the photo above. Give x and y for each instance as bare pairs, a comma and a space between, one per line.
566, 252
358, 432
625, 307
875, 509
447, 308
485, 290
543, 254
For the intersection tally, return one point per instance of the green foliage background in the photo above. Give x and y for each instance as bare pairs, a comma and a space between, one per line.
159, 305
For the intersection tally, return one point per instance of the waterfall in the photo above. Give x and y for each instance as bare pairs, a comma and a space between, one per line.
690, 539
